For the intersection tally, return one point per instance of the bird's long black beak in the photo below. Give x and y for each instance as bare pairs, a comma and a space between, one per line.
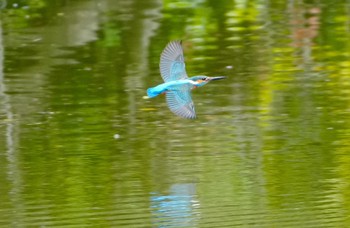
217, 78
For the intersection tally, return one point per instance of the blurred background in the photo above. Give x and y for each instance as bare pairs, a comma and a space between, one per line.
79, 147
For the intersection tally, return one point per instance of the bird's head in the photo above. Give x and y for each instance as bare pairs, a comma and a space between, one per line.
202, 79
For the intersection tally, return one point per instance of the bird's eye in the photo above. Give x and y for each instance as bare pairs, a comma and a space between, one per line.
204, 79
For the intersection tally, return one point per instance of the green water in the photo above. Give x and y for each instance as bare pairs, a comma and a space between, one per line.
79, 147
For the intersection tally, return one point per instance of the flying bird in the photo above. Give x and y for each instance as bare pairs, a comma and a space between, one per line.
177, 85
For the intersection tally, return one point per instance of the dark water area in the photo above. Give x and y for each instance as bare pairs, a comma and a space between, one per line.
80, 147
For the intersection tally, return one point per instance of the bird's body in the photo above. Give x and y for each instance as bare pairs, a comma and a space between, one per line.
177, 86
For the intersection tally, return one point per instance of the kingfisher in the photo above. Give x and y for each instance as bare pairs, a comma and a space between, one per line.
177, 85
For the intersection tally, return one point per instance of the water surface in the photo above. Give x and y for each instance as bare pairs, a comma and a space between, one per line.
79, 147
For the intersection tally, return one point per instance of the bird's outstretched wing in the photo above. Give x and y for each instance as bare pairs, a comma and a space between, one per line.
172, 63
180, 102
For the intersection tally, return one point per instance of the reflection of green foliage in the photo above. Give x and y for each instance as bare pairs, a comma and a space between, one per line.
20, 14
111, 35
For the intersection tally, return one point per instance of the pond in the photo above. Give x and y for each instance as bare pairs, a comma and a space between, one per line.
80, 147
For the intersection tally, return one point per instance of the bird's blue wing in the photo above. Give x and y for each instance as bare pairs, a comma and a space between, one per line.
180, 102
172, 63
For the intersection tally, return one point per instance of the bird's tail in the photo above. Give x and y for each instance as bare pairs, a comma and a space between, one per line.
153, 92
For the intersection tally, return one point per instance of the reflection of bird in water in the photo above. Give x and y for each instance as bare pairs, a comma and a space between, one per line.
177, 86
178, 208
